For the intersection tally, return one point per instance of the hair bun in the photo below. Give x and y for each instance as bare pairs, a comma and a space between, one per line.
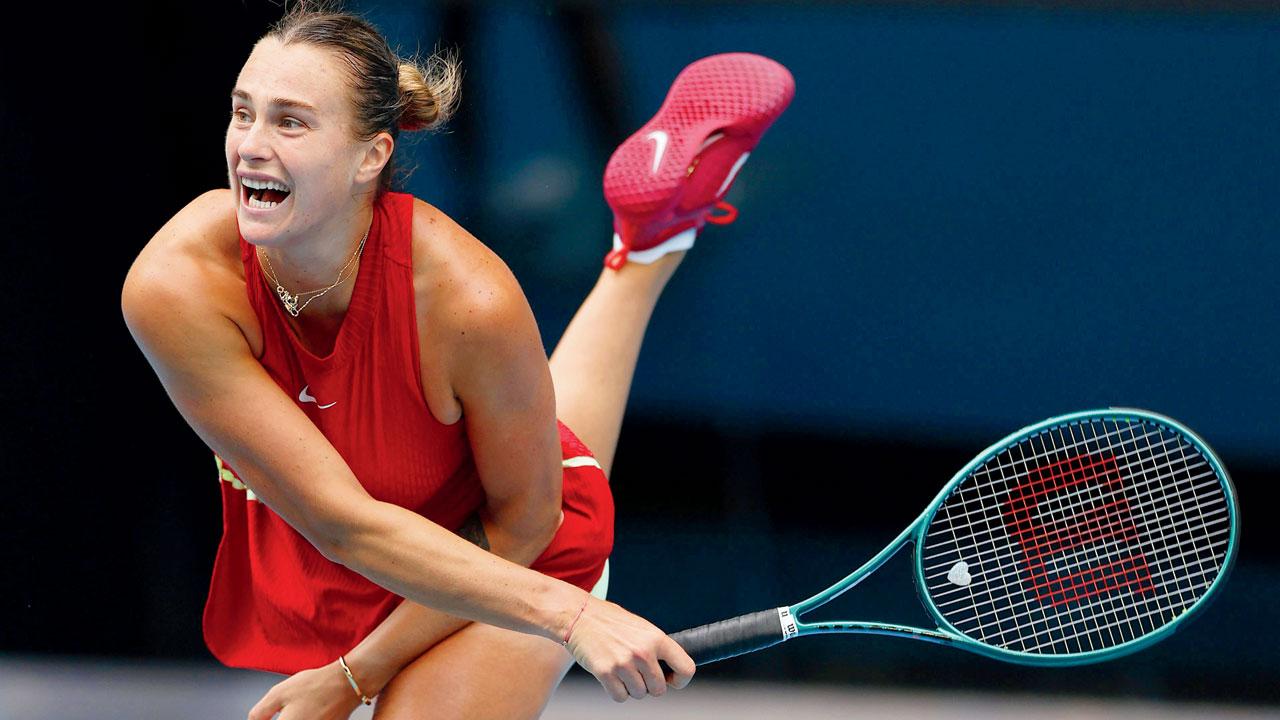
428, 94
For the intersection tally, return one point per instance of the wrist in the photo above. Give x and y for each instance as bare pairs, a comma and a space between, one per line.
561, 606
370, 672
568, 633
361, 695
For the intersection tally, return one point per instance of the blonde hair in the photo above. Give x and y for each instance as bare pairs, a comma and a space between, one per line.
389, 93
429, 91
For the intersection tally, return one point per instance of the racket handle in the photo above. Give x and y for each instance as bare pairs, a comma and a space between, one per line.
735, 636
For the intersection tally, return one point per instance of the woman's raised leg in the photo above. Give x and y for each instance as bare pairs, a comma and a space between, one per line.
594, 361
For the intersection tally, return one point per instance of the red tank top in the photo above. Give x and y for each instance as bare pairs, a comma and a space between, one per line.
275, 603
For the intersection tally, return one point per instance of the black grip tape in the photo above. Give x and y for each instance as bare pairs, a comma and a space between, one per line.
727, 638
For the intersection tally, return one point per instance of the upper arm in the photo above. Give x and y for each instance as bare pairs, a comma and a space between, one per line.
508, 404
499, 374
171, 303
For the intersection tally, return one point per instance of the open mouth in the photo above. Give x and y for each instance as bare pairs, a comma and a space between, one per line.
262, 194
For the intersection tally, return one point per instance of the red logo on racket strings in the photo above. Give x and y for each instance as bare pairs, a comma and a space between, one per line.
1092, 509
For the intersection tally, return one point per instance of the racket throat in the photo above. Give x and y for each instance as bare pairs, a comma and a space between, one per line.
874, 628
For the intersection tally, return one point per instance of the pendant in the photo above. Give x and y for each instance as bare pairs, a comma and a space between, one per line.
289, 301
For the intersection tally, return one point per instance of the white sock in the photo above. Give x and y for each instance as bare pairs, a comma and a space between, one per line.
675, 243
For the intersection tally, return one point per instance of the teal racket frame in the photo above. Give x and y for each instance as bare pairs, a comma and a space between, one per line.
945, 633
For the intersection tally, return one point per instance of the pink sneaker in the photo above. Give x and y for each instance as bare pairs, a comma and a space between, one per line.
665, 181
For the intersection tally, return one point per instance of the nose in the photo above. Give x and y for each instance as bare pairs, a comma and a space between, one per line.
254, 143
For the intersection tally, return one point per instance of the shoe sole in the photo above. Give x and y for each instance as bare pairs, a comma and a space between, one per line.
737, 94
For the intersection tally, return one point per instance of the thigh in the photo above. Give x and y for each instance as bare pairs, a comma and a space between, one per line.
480, 672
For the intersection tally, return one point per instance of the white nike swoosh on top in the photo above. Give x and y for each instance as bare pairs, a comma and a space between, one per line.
306, 397
660, 140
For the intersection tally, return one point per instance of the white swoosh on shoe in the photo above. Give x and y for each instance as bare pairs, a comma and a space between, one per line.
660, 140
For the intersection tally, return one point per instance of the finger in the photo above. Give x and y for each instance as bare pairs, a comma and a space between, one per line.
614, 687
265, 708
682, 666
635, 684
653, 678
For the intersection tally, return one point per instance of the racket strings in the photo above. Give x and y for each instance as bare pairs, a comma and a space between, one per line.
1064, 503
995, 618
1080, 538
1077, 634
1092, 607
1085, 501
1149, 515
1010, 571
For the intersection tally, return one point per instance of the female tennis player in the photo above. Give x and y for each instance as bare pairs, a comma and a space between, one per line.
404, 517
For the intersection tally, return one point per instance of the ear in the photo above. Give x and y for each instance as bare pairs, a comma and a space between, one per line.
375, 157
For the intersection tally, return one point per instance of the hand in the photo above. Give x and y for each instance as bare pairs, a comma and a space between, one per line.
622, 651
319, 694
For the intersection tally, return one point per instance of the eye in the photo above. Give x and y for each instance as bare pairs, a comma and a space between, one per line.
239, 115
292, 123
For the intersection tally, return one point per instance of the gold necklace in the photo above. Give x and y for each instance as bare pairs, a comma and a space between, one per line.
290, 300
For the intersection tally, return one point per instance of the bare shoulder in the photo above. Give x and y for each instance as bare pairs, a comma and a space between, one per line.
196, 243
189, 269
461, 285
471, 312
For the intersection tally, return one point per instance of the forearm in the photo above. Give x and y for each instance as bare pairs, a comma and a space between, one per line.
413, 629
427, 564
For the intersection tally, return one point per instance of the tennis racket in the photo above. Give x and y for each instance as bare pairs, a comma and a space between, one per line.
1079, 539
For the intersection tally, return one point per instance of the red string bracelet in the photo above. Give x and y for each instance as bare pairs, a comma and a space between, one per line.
569, 633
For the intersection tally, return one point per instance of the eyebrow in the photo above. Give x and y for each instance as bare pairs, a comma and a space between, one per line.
282, 102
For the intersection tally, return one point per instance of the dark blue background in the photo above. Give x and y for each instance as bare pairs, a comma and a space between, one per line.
969, 219
972, 217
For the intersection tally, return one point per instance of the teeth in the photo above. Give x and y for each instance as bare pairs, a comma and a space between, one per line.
261, 205
263, 184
